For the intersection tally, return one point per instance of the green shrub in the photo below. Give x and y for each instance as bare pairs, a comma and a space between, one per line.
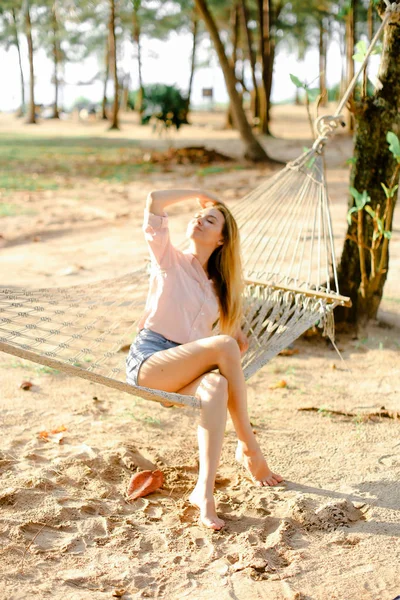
162, 103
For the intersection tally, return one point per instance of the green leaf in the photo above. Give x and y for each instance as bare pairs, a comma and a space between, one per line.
394, 144
377, 49
350, 212
365, 198
386, 190
370, 211
389, 192
297, 81
387, 235
360, 199
361, 50
355, 193
310, 162
351, 161
312, 94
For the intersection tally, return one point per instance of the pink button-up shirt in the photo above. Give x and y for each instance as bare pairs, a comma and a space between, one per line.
181, 304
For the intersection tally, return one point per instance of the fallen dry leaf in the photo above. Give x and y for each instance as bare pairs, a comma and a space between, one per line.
55, 435
59, 429
279, 384
124, 348
26, 385
144, 483
50, 437
119, 593
289, 352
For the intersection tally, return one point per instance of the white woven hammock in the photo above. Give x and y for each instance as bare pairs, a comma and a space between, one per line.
87, 329
289, 266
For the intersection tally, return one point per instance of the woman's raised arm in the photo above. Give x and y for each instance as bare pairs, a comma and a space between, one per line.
158, 200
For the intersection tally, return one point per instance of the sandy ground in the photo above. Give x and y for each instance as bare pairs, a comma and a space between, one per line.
66, 531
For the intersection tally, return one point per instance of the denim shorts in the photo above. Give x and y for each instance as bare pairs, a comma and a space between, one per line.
146, 343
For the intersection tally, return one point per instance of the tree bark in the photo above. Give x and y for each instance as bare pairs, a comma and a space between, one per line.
322, 62
113, 59
374, 164
249, 40
32, 113
254, 151
193, 60
235, 30
267, 51
107, 74
56, 53
136, 40
125, 93
21, 111
370, 29
350, 44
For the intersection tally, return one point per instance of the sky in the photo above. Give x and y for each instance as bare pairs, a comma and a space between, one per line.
163, 62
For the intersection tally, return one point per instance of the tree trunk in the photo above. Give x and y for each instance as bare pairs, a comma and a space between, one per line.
136, 40
322, 62
343, 59
113, 59
350, 44
107, 65
193, 60
267, 51
375, 164
235, 30
32, 113
254, 151
370, 29
125, 93
249, 40
21, 111
54, 23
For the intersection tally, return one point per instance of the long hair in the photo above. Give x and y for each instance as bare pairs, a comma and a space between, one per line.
225, 269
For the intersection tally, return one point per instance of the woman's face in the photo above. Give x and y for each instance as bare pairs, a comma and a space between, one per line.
206, 227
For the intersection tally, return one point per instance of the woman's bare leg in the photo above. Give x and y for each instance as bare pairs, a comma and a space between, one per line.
212, 389
171, 370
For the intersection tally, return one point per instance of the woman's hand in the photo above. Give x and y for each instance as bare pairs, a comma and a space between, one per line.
206, 198
242, 341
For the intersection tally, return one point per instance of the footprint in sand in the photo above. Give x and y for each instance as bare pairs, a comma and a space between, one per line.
328, 517
8, 497
43, 538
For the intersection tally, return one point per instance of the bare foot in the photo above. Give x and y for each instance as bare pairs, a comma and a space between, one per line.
208, 515
257, 466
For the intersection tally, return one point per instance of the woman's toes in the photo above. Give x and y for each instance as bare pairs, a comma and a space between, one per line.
215, 524
271, 480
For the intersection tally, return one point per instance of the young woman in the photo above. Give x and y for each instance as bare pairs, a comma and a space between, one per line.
175, 349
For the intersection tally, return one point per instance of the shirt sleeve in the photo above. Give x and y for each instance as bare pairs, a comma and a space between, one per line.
156, 233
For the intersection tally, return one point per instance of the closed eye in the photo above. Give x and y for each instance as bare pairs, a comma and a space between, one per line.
211, 219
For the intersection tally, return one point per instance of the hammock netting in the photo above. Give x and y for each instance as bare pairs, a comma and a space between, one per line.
291, 284
290, 281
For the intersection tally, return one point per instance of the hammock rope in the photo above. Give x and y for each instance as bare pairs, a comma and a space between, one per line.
290, 273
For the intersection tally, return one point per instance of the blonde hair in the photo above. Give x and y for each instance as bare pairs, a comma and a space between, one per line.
225, 269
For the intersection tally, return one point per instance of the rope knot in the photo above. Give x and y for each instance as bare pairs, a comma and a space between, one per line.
325, 127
